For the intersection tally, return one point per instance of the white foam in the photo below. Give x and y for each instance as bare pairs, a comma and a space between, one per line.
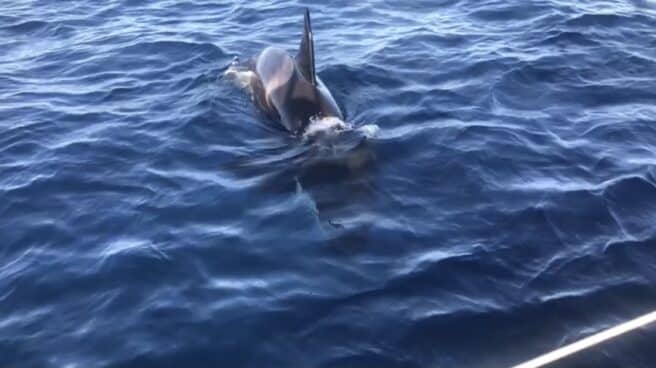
240, 76
323, 126
328, 125
369, 130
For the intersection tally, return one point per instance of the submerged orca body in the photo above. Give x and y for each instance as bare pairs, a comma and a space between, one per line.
287, 89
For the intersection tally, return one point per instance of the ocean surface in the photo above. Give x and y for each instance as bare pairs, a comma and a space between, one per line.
151, 217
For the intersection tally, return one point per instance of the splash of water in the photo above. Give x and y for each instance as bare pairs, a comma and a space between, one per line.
327, 126
239, 75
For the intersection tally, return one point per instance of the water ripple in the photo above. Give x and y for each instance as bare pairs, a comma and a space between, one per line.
151, 217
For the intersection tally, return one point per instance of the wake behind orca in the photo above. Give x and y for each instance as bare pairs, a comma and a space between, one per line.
288, 90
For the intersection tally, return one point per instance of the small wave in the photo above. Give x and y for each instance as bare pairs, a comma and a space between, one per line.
172, 46
606, 20
570, 38
26, 27
503, 13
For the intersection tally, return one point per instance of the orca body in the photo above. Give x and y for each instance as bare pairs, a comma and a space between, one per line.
287, 89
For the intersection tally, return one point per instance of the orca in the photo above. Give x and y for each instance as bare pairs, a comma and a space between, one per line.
287, 89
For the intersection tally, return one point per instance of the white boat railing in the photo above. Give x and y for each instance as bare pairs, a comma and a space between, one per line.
589, 341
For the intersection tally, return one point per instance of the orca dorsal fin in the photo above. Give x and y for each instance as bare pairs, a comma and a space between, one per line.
305, 56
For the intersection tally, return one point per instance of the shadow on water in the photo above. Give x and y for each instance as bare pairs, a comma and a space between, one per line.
320, 181
334, 173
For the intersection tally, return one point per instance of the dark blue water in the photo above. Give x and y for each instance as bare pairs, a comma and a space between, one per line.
150, 217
